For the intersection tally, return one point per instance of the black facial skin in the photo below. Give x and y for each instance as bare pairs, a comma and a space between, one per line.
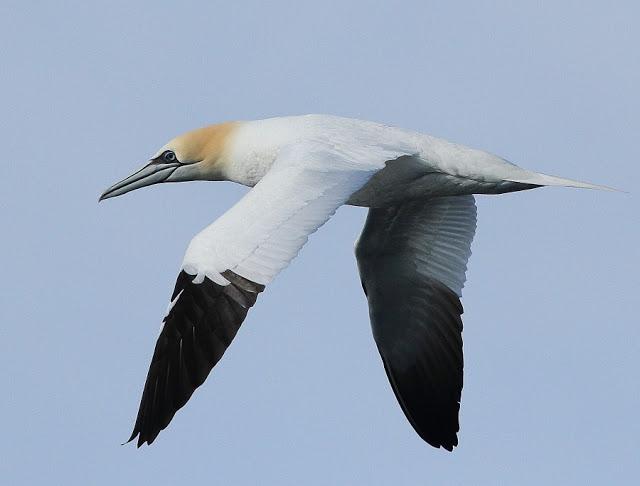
166, 157
170, 157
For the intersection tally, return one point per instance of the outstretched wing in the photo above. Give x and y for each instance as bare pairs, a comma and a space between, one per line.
230, 262
412, 260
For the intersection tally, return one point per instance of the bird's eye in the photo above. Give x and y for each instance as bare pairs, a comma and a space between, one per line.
169, 156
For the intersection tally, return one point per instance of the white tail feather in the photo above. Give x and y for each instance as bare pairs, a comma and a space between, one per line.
548, 180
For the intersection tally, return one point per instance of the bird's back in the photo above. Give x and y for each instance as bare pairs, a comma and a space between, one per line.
417, 165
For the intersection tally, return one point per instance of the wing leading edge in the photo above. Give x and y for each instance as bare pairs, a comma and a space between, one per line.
228, 264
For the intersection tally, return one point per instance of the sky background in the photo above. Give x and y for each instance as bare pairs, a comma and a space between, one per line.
89, 90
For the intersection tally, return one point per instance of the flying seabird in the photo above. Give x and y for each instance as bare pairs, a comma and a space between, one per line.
412, 253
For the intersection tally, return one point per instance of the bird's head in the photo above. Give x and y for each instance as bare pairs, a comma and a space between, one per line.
196, 155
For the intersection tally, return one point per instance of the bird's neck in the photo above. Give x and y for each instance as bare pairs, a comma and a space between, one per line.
253, 149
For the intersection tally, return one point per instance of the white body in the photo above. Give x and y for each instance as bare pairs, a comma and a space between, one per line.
298, 163
450, 168
412, 254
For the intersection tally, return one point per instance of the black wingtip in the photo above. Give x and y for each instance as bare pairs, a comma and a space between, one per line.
134, 434
433, 413
196, 332
441, 433
142, 438
446, 440
447, 444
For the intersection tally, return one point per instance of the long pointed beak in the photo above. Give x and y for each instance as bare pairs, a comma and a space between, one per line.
151, 173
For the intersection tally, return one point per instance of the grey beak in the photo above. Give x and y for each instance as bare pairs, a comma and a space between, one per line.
151, 173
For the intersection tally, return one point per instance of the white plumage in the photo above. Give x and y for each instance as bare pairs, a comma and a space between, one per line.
412, 254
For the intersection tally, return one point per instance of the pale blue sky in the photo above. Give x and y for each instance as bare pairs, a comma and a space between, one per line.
89, 90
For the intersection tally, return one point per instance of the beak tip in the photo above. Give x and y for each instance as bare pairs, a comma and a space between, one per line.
151, 173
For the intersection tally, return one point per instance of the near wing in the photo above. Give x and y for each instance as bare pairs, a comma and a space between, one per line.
412, 260
230, 262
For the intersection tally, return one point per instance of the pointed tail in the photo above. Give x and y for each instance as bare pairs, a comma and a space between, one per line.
548, 180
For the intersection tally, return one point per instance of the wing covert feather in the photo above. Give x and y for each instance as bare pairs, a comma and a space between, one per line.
230, 262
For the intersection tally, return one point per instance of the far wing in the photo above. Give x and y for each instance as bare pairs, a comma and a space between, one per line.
412, 260
230, 262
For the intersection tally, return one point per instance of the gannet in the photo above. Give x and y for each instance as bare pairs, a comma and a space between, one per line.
412, 253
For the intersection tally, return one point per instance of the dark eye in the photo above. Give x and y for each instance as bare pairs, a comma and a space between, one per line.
169, 156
